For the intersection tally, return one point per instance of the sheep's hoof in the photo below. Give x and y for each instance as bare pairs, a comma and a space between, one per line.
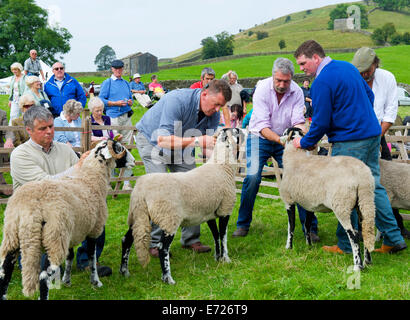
97, 284
289, 246
224, 259
67, 283
358, 268
168, 279
124, 272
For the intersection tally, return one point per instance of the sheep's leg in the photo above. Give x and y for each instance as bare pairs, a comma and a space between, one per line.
354, 239
48, 273
127, 241
6, 270
164, 245
308, 226
367, 257
291, 226
92, 258
223, 234
68, 267
215, 233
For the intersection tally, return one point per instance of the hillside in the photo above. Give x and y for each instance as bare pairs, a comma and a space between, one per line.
302, 26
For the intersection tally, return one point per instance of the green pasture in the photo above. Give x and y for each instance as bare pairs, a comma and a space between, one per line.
395, 59
300, 26
261, 267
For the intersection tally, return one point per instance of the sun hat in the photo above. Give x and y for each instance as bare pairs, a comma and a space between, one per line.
363, 58
136, 75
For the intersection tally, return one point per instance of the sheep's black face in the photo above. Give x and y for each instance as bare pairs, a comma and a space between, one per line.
292, 133
113, 149
237, 137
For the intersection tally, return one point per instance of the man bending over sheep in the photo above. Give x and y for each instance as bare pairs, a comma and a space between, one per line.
343, 110
278, 104
167, 133
42, 158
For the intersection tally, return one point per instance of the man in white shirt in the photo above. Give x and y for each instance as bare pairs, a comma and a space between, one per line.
384, 86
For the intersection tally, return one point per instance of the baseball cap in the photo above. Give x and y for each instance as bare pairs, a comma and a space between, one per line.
363, 58
117, 64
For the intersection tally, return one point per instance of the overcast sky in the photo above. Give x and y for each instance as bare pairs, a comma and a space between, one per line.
164, 28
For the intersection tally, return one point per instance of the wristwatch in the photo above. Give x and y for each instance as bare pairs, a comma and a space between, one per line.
197, 141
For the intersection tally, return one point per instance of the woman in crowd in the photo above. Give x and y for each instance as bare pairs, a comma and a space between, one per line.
96, 107
17, 88
69, 117
35, 88
15, 138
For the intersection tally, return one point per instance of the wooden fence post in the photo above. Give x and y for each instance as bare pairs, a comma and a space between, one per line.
86, 133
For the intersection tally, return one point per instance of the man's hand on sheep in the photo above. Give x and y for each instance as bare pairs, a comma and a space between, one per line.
296, 142
81, 160
174, 142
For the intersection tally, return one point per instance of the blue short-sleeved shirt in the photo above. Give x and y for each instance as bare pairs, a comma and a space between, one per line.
176, 113
137, 86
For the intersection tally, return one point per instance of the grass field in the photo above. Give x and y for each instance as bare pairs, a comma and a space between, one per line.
395, 59
261, 268
313, 25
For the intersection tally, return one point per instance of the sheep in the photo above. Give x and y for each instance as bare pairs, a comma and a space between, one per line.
395, 178
171, 200
57, 215
326, 184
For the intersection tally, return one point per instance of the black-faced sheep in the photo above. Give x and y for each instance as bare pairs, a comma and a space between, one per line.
56, 215
326, 184
171, 200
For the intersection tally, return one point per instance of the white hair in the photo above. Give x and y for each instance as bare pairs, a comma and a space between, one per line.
95, 102
283, 65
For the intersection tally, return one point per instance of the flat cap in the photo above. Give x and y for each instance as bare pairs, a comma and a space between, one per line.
363, 58
117, 64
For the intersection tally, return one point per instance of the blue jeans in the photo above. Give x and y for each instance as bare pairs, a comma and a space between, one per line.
258, 151
82, 257
367, 150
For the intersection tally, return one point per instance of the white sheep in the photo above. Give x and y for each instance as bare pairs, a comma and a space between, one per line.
326, 184
57, 215
171, 200
395, 178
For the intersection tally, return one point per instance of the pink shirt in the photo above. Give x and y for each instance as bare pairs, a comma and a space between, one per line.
268, 114
153, 85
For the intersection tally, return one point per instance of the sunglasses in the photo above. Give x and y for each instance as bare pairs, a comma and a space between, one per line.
58, 69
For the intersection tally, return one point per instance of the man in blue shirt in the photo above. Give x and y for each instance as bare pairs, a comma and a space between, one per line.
139, 92
168, 133
116, 94
343, 110
62, 87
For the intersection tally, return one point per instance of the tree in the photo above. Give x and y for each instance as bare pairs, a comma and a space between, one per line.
340, 12
282, 44
383, 34
261, 35
24, 27
104, 58
221, 45
392, 5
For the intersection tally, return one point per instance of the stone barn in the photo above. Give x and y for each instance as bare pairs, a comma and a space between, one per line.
140, 62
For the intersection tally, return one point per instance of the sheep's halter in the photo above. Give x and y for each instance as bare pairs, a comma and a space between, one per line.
110, 145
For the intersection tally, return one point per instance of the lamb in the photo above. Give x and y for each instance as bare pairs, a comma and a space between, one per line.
77, 210
395, 178
171, 200
326, 184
